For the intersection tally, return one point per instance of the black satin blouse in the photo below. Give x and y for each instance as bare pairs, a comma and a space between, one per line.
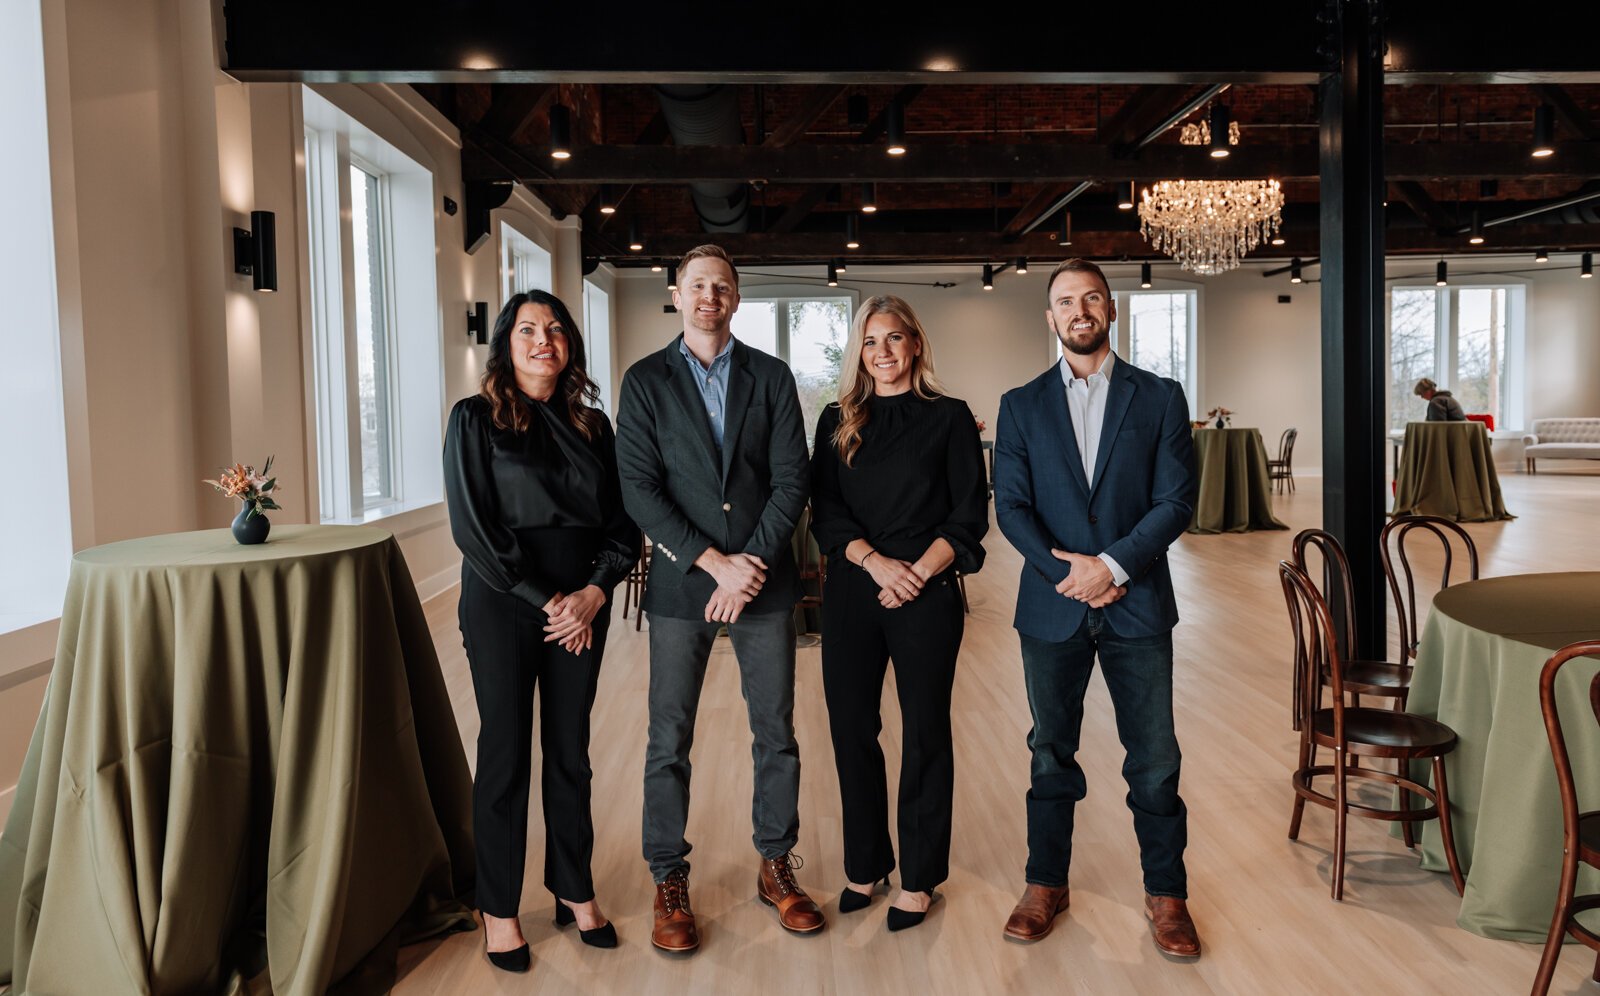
520, 501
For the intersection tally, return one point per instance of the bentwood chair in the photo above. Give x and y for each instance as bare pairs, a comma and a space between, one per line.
1361, 677
812, 561
1280, 469
1351, 733
1394, 537
1580, 832
633, 585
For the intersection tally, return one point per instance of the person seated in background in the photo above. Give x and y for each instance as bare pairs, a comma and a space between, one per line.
1441, 406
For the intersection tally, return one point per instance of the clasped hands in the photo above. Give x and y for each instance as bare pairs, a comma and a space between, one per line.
739, 579
1090, 581
898, 582
571, 618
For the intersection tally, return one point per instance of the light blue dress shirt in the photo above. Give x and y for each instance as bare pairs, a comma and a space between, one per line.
1086, 401
713, 385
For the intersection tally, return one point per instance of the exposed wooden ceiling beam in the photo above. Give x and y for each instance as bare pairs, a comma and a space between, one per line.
807, 202
818, 100
1574, 118
1426, 208
1033, 163
512, 108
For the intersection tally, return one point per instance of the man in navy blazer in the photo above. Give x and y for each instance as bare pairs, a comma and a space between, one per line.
1094, 477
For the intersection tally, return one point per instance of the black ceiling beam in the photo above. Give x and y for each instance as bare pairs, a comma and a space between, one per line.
513, 108
1411, 194
817, 101
1032, 163
874, 131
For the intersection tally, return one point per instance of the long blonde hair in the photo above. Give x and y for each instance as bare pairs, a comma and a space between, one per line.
856, 385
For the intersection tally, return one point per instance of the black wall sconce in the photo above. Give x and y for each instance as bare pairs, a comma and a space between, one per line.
255, 252
478, 322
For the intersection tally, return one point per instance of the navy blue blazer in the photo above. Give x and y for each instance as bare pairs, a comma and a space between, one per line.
1140, 500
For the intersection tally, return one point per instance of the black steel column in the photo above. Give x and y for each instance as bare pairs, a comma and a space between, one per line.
1354, 497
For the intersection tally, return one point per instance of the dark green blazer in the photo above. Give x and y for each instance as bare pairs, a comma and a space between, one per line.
686, 498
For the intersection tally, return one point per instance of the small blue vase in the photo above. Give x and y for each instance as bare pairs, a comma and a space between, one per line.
248, 529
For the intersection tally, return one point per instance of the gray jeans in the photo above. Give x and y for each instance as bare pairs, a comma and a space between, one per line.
679, 650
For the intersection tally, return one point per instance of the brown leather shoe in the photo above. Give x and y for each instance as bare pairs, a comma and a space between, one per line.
1035, 913
674, 928
1171, 926
776, 887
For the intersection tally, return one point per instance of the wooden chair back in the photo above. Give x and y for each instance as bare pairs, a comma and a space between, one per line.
1337, 590
1394, 536
1316, 652
1286, 447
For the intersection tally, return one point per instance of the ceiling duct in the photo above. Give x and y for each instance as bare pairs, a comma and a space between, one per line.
709, 115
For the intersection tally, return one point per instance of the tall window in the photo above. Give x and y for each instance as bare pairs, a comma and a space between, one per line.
1467, 339
375, 352
597, 337
808, 331
524, 264
1155, 330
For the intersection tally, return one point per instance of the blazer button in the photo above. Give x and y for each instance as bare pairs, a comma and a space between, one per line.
1093, 519
727, 506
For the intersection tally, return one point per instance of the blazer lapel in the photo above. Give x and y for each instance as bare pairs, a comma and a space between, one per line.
1119, 394
687, 394
740, 390
1059, 418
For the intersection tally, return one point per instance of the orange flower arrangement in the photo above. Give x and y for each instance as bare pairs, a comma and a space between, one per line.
241, 481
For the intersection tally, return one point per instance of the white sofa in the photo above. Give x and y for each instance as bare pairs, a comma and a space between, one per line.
1561, 439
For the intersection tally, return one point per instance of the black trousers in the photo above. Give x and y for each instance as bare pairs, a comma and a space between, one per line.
859, 637
509, 659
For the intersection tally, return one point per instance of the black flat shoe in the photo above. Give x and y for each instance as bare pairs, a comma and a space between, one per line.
850, 900
515, 960
603, 936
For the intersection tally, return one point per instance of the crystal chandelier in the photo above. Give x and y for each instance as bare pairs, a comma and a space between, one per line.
1208, 225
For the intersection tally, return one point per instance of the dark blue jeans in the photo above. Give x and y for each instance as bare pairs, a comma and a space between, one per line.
1138, 673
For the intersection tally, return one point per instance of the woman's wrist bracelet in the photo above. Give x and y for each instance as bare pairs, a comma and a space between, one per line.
864, 557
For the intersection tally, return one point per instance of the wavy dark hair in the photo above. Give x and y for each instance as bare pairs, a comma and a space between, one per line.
576, 395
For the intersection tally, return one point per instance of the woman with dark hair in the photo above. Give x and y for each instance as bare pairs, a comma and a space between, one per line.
535, 505
899, 504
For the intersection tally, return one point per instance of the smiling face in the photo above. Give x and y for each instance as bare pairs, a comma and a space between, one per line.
707, 296
1081, 312
539, 349
888, 353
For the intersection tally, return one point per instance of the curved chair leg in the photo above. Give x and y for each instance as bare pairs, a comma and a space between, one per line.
1407, 831
1341, 812
1307, 752
1442, 800
1558, 927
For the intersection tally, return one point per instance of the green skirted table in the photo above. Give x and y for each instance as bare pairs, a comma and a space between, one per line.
1235, 490
1446, 469
1477, 671
246, 770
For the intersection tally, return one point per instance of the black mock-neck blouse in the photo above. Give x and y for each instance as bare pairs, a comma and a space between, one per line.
505, 487
918, 475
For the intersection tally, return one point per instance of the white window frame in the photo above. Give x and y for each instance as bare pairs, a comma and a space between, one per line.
784, 293
516, 246
391, 371
1446, 340
1121, 333
598, 339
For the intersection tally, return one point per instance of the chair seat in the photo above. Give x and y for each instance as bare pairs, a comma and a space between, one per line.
1376, 678
1383, 733
1589, 838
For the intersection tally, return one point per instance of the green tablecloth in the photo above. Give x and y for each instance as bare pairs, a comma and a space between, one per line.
1446, 469
246, 761
1477, 671
1235, 491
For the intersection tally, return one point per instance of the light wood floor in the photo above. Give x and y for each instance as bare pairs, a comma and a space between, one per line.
1260, 901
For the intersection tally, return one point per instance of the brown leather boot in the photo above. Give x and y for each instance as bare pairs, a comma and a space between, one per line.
674, 928
1035, 913
776, 887
1171, 926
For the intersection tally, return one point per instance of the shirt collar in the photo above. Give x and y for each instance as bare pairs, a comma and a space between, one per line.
1104, 372
726, 351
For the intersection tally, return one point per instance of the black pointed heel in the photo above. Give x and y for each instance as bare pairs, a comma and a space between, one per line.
515, 960
603, 936
900, 919
850, 900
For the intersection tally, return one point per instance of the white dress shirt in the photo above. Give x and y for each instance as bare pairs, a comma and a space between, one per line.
1086, 401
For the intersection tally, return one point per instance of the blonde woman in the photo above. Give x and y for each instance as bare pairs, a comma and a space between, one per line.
899, 504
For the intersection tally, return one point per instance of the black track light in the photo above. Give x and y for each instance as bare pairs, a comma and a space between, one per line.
852, 231
635, 243
1066, 228
608, 199
672, 276
988, 277
1475, 237
1144, 275
839, 264
1441, 275
869, 198
1126, 203
1220, 119
1295, 276
1588, 266
1544, 131
833, 275
895, 129
1542, 256
1022, 266
560, 132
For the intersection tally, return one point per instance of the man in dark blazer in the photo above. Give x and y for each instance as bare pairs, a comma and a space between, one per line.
712, 455
1094, 477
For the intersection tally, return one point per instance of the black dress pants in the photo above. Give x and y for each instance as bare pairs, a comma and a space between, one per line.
859, 637
509, 659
